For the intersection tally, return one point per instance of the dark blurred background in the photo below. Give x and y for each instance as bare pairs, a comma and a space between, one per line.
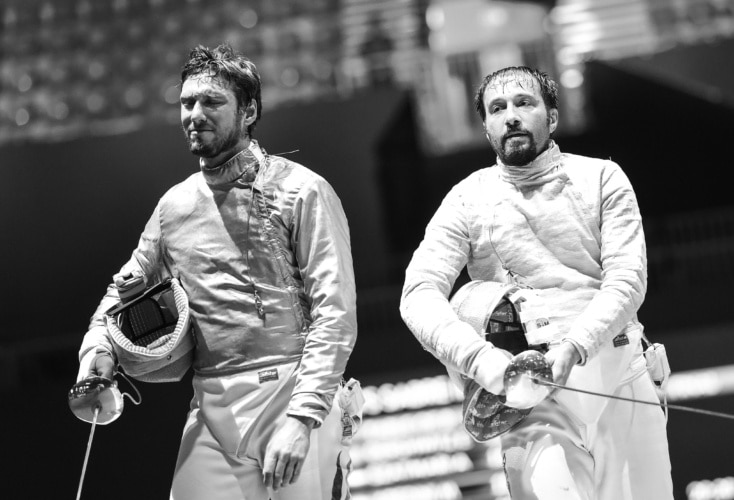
377, 97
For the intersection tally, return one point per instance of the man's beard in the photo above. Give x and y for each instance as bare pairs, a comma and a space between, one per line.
218, 145
518, 155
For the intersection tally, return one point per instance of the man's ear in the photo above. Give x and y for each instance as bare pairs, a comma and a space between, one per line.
553, 119
250, 113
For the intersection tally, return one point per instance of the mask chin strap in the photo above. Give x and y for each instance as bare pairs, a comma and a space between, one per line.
98, 401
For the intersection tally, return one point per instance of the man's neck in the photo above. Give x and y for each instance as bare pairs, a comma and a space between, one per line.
225, 156
541, 152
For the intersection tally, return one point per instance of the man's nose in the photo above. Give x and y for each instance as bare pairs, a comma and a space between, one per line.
512, 119
197, 113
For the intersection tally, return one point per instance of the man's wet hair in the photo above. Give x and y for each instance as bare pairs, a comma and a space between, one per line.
548, 87
232, 67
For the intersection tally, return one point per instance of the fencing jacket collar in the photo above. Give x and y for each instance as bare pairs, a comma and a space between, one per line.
241, 167
538, 171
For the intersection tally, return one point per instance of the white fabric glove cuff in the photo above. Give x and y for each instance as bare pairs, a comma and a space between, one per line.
87, 361
491, 364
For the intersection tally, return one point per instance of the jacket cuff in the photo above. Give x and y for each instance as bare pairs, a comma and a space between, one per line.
95, 340
308, 405
582, 352
87, 361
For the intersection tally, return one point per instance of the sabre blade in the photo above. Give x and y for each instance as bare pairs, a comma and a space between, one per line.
631, 400
89, 448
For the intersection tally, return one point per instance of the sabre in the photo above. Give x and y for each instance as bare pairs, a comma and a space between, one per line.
98, 401
532, 366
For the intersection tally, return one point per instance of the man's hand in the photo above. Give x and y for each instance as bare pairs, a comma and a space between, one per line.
562, 358
104, 366
286, 452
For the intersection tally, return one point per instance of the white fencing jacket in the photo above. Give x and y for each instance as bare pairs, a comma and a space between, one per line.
568, 226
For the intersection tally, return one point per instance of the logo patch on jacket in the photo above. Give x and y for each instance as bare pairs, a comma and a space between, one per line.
268, 375
621, 340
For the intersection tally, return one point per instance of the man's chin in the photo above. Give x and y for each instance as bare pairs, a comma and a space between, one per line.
200, 150
517, 157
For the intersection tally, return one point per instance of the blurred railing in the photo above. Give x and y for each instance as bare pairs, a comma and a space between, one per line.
94, 67
615, 29
83, 67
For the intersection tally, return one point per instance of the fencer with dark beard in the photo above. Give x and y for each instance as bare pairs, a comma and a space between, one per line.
568, 227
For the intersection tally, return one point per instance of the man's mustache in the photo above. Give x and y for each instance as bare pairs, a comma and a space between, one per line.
516, 133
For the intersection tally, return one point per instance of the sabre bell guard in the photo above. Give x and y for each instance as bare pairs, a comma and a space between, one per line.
96, 394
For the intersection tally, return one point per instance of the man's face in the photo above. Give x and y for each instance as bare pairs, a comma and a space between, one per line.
518, 124
212, 123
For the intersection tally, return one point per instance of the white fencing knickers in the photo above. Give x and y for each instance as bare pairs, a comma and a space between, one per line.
624, 456
223, 446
